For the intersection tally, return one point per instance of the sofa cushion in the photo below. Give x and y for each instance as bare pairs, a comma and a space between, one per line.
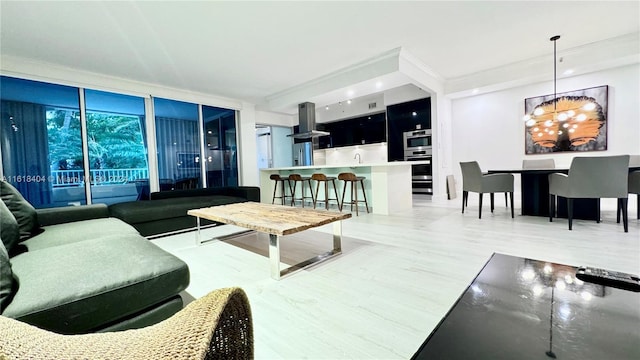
9, 230
24, 212
81, 286
7, 282
144, 211
56, 235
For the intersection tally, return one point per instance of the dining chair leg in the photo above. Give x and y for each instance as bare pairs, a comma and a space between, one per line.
598, 211
570, 212
480, 209
464, 197
625, 220
505, 200
618, 212
344, 191
491, 200
511, 197
552, 207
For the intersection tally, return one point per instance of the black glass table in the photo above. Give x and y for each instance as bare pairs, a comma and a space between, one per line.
519, 308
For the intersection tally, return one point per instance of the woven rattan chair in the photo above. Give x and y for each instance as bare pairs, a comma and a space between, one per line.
216, 326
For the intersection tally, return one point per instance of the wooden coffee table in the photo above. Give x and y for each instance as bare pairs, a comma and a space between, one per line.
277, 221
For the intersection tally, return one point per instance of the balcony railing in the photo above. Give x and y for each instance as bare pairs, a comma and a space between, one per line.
61, 178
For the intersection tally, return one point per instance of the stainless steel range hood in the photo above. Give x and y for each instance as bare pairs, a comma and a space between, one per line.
307, 122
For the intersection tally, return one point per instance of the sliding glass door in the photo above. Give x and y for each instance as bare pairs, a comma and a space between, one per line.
221, 150
117, 153
41, 141
177, 140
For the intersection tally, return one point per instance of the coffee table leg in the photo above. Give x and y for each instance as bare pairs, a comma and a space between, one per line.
198, 238
337, 237
274, 256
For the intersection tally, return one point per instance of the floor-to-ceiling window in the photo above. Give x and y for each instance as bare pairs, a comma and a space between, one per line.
221, 151
62, 143
117, 154
41, 141
178, 144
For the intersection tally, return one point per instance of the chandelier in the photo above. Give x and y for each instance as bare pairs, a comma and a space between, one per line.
575, 120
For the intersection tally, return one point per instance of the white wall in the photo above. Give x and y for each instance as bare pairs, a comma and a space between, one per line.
489, 129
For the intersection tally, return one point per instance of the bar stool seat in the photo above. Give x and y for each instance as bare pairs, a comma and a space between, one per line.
353, 181
280, 182
325, 179
295, 179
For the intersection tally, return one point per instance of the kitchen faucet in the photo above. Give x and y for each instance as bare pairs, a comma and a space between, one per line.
357, 156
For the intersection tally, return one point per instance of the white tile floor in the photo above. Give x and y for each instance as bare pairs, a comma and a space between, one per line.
397, 277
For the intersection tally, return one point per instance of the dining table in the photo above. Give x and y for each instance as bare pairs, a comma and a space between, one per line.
534, 194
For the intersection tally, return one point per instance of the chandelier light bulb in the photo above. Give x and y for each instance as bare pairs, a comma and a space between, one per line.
531, 122
526, 118
581, 117
571, 113
589, 106
540, 134
565, 125
562, 117
548, 123
575, 126
538, 111
559, 132
536, 129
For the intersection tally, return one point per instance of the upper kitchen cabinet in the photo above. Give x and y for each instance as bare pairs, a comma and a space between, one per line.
368, 129
403, 117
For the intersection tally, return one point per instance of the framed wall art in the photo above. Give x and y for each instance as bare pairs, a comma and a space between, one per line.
569, 121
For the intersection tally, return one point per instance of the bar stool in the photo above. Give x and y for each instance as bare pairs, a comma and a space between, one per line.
279, 182
353, 180
325, 179
295, 179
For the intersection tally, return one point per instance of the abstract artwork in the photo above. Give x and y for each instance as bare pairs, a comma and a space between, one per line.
569, 121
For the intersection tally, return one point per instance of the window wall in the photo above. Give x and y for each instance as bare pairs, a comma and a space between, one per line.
41, 141
61, 144
117, 153
221, 150
177, 138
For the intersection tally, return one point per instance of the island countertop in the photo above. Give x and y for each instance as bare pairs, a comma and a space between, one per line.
387, 184
351, 165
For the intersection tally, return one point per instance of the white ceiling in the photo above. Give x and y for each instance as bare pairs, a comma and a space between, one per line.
254, 50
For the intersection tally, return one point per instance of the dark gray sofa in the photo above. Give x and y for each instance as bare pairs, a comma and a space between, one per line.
166, 211
76, 270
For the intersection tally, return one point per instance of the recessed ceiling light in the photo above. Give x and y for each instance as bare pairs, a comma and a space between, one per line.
378, 84
350, 93
475, 91
414, 113
568, 72
327, 107
348, 101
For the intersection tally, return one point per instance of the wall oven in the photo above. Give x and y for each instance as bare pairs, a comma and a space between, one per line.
417, 143
418, 147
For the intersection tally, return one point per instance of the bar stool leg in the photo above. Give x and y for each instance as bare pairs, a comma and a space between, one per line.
335, 191
366, 203
354, 194
275, 188
315, 200
344, 191
293, 193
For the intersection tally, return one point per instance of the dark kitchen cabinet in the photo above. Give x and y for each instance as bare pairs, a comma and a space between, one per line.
367, 129
403, 117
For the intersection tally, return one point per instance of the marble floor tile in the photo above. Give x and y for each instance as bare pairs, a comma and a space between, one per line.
397, 277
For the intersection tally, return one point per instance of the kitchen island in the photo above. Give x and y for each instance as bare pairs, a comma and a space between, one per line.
387, 185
